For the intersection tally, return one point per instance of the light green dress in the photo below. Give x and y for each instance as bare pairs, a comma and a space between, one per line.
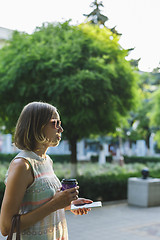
52, 227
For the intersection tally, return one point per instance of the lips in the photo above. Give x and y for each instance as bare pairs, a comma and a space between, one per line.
59, 137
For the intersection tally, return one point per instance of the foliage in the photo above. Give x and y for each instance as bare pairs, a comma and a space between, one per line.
96, 16
4, 158
139, 120
80, 69
94, 159
132, 165
94, 169
155, 115
3, 170
103, 187
56, 158
106, 183
144, 160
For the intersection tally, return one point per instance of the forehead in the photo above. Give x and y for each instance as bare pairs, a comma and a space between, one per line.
55, 115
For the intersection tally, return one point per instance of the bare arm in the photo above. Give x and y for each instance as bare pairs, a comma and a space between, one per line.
19, 178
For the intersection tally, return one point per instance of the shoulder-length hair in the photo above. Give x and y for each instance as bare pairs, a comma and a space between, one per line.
29, 127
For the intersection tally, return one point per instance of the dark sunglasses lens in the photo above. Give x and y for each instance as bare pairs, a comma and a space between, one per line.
58, 123
54, 123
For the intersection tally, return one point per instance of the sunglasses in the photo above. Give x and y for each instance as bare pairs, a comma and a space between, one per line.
56, 123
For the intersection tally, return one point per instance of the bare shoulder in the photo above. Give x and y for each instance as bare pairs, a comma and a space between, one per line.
20, 165
20, 170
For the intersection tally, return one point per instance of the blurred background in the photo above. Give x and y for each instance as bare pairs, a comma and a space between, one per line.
98, 63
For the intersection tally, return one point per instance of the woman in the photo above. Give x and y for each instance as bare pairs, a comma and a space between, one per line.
32, 188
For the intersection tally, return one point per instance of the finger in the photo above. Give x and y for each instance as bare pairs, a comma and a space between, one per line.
86, 210
81, 211
87, 200
76, 212
75, 197
72, 189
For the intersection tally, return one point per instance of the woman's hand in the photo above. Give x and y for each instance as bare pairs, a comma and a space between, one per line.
62, 199
81, 211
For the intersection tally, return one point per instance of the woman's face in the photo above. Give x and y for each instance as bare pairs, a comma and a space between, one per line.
52, 131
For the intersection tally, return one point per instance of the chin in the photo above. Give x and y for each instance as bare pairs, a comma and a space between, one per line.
54, 144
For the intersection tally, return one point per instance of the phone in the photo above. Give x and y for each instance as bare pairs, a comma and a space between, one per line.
86, 205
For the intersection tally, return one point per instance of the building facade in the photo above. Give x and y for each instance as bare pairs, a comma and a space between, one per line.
5, 34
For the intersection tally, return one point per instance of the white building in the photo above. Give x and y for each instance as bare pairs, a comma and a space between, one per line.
5, 34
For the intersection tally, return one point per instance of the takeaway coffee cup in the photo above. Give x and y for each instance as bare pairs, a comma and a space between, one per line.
68, 183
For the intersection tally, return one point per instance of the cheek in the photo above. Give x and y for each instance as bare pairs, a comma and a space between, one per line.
49, 133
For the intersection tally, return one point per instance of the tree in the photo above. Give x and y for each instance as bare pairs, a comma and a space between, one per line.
140, 125
155, 115
97, 18
95, 15
79, 69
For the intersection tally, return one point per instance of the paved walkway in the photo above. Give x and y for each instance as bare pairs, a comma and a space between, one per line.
116, 221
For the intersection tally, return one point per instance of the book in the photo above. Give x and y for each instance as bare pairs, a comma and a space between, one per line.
86, 205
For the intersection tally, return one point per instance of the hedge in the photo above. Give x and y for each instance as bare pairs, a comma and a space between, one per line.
135, 159
95, 159
57, 158
6, 157
132, 159
103, 187
67, 158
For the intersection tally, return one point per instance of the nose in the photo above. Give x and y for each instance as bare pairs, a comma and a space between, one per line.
60, 129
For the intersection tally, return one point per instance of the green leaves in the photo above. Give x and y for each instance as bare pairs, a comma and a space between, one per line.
80, 69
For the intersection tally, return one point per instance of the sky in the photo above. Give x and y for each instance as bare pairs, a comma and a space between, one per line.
137, 20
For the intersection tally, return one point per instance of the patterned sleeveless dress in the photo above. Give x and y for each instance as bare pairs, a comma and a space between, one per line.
52, 227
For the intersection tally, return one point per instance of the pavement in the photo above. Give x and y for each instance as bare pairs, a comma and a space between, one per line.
115, 221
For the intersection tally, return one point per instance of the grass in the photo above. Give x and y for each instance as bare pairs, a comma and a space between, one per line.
92, 169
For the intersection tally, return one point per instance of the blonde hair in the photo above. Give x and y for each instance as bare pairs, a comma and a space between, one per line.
29, 127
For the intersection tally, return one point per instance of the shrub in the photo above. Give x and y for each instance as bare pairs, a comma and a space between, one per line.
6, 157
106, 182
95, 159
135, 159
60, 158
56, 158
105, 187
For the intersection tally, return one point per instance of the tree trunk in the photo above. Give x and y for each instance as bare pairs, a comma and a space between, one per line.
147, 140
73, 144
147, 143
